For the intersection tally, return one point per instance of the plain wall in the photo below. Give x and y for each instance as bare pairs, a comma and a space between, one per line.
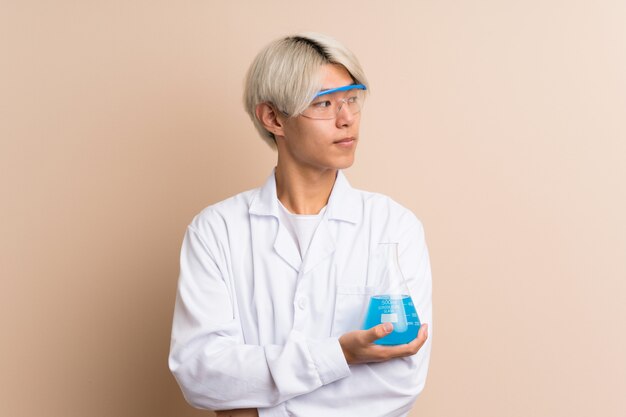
501, 124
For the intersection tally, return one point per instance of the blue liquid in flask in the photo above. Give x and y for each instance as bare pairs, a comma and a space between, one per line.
398, 310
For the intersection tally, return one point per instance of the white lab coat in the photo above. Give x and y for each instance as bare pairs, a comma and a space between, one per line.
256, 326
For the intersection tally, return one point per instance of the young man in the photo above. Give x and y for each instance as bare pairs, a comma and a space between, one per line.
274, 281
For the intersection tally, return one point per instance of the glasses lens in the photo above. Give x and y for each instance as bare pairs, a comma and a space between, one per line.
327, 106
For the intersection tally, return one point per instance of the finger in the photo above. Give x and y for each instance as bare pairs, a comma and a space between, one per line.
423, 332
408, 349
378, 331
422, 335
416, 344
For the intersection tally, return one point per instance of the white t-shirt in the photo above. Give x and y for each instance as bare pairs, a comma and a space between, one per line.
301, 227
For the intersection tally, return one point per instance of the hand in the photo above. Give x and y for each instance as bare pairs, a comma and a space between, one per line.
242, 412
358, 346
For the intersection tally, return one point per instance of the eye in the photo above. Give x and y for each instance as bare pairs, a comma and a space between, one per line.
352, 100
322, 104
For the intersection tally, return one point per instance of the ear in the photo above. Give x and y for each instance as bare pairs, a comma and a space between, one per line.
270, 119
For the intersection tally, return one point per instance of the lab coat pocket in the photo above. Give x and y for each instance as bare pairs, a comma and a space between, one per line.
351, 305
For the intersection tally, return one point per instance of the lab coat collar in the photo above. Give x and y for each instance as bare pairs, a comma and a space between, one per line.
344, 203
265, 203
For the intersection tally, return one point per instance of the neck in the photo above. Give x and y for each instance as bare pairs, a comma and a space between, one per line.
303, 191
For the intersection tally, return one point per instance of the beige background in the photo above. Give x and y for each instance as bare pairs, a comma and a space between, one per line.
501, 124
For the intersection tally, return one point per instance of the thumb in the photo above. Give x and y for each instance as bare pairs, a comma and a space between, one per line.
379, 331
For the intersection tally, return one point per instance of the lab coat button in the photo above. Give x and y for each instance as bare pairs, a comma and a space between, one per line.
302, 303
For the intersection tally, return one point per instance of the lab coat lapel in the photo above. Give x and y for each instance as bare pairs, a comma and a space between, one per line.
286, 248
345, 205
265, 224
321, 247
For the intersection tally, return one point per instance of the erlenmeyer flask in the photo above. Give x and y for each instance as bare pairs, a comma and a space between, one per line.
394, 303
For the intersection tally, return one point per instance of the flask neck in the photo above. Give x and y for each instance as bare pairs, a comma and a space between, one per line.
392, 279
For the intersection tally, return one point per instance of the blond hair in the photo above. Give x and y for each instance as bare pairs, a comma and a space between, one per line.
287, 74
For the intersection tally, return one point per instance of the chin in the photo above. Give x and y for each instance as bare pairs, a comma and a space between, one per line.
347, 163
334, 162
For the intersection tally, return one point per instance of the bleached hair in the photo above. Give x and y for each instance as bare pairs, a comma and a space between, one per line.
287, 74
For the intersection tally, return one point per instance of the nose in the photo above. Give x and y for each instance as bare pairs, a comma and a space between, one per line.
344, 116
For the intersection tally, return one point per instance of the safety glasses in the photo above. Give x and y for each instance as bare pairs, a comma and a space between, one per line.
327, 104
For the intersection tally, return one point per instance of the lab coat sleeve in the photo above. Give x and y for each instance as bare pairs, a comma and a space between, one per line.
213, 366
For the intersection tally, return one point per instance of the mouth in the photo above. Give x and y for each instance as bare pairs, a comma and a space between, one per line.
345, 141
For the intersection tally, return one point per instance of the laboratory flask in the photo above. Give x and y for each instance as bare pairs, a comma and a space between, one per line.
393, 303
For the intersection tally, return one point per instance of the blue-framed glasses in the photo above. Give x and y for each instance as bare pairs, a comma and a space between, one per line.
327, 103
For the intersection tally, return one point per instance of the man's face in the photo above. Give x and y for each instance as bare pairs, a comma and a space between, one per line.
322, 144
